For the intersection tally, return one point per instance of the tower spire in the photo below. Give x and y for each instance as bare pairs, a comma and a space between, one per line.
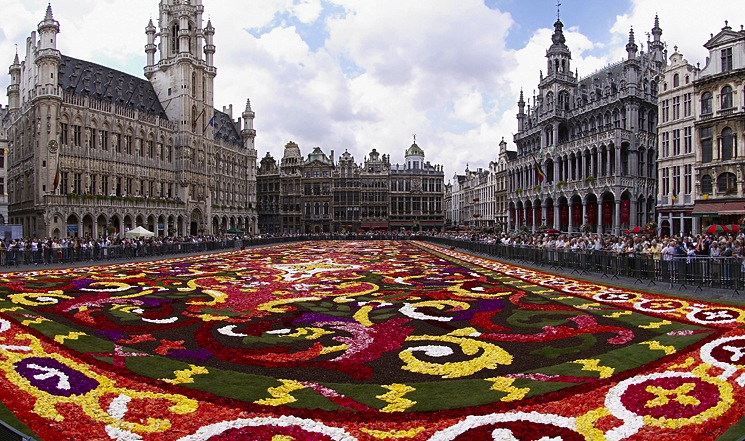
49, 15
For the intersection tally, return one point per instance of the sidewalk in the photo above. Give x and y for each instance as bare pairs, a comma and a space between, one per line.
677, 290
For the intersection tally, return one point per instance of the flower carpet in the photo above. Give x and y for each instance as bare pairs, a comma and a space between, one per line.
366, 340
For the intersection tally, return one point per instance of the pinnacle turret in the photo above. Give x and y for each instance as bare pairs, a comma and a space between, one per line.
631, 47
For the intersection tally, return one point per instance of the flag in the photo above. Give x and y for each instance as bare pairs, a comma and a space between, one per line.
538, 170
56, 177
210, 124
194, 124
675, 196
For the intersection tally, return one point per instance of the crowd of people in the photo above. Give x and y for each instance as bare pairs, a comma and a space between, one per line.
47, 251
56, 250
666, 248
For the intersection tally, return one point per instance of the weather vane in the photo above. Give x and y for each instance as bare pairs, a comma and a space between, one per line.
414, 138
558, 10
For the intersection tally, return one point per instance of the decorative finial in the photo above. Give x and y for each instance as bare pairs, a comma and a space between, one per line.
558, 10
414, 135
675, 48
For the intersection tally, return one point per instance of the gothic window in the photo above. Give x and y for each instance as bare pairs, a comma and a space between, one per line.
706, 185
706, 103
63, 134
193, 118
727, 101
174, 38
194, 84
728, 144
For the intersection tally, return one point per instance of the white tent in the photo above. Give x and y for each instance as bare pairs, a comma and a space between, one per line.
138, 232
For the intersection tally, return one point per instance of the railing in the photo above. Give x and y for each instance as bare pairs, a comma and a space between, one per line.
8, 433
72, 254
685, 271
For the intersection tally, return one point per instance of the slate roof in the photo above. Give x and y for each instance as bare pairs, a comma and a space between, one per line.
106, 84
85, 78
225, 128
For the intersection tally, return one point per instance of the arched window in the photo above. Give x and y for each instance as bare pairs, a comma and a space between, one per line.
728, 144
676, 80
727, 101
727, 183
706, 187
193, 118
194, 85
706, 103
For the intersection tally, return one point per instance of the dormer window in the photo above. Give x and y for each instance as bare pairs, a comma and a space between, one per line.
726, 55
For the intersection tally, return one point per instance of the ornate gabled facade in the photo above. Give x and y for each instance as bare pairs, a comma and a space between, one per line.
290, 176
347, 191
94, 151
416, 193
593, 140
317, 195
375, 184
677, 157
719, 172
318, 198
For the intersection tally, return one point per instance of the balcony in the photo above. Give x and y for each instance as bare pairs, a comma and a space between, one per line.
115, 202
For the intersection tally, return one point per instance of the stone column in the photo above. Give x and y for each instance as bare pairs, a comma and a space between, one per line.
556, 216
571, 215
584, 212
600, 216
617, 219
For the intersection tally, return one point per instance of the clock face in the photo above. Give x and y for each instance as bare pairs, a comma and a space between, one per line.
53, 146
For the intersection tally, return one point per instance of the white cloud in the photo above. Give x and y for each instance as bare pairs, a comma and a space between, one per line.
378, 72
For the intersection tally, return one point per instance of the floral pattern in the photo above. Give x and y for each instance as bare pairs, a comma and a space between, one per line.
360, 341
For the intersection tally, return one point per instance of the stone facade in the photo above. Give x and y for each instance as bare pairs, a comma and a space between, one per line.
320, 195
719, 170
94, 151
4, 126
593, 138
676, 156
417, 193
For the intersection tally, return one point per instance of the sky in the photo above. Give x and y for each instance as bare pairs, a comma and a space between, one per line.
361, 74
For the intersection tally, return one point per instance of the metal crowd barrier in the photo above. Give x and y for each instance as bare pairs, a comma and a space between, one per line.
683, 272
68, 255
8, 433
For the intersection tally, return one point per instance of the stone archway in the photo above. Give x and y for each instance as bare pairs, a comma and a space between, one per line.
196, 222
73, 226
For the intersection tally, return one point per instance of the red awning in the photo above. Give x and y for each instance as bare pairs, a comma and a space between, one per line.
374, 225
714, 208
